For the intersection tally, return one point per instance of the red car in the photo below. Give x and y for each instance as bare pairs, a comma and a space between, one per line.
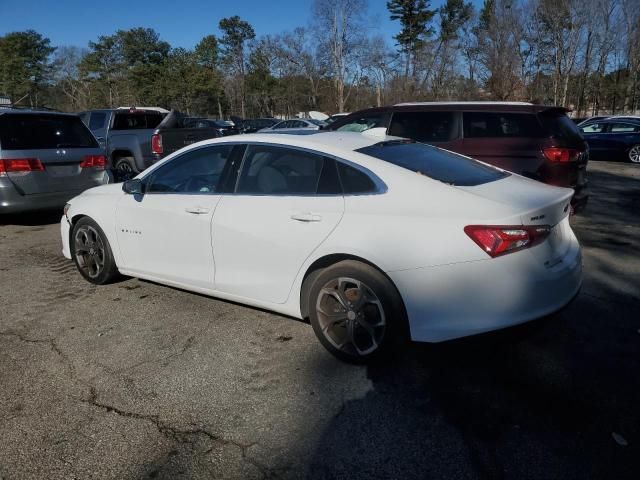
535, 141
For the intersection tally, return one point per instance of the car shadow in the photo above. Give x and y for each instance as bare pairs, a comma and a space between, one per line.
32, 219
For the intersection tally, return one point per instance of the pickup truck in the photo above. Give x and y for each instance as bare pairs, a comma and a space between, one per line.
136, 138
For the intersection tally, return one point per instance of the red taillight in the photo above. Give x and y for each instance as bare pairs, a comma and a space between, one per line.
156, 143
94, 161
500, 240
561, 155
20, 165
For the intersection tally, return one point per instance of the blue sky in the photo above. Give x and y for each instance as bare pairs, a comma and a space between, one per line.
180, 22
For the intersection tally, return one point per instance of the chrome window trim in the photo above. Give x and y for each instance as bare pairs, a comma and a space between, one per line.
380, 187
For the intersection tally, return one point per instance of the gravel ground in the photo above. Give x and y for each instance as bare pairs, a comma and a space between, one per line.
138, 380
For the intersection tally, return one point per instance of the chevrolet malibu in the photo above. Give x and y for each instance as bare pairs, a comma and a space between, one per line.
371, 238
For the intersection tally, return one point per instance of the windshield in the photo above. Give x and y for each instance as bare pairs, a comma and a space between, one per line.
434, 162
43, 131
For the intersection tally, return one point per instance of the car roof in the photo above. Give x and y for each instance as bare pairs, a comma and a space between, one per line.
522, 107
16, 111
322, 140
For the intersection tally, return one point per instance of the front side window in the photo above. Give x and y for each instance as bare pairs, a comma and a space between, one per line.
200, 171
593, 128
427, 127
282, 171
501, 125
281, 125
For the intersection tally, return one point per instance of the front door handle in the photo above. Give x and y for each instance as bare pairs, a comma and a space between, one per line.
306, 217
197, 210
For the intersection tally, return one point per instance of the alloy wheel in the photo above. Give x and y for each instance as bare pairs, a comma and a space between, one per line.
634, 154
89, 250
351, 316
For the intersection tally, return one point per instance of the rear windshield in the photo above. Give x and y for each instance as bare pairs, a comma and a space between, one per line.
137, 120
434, 162
42, 131
561, 126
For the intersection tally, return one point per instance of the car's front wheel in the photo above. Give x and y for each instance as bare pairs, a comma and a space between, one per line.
634, 154
355, 311
92, 253
125, 169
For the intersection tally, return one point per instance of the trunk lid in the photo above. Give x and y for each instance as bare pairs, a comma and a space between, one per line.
59, 142
534, 203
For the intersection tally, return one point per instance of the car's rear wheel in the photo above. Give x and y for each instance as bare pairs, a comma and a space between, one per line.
355, 311
125, 169
92, 253
634, 154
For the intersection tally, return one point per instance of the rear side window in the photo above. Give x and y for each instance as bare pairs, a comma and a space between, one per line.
561, 126
434, 162
623, 128
269, 170
354, 181
136, 121
502, 125
363, 122
97, 120
425, 127
43, 131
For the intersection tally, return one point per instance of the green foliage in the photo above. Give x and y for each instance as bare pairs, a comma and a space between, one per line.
453, 15
415, 18
24, 65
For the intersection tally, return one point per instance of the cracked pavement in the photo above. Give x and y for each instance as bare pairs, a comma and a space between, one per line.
138, 380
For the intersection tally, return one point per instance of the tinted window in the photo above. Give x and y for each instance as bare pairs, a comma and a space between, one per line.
33, 132
623, 128
329, 183
97, 120
435, 163
425, 126
501, 125
363, 122
199, 171
593, 128
561, 126
137, 121
354, 180
276, 170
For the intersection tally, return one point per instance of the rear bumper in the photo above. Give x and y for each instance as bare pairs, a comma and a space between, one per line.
463, 299
11, 201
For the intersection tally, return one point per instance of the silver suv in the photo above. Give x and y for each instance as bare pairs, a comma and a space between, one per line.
45, 159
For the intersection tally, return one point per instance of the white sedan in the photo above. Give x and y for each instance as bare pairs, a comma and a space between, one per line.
369, 238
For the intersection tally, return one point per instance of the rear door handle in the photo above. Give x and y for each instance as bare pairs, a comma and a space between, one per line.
197, 210
306, 217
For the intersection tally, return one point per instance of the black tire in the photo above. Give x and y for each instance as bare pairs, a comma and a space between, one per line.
92, 253
374, 324
125, 168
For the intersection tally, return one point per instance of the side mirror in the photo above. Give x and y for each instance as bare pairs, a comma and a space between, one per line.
102, 142
133, 187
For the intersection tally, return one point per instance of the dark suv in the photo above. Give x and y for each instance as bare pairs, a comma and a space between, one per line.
535, 141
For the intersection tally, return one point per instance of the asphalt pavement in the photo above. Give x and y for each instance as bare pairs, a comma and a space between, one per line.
138, 380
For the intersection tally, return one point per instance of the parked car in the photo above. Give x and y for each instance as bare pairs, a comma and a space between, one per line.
367, 237
45, 159
296, 124
223, 127
535, 141
587, 121
252, 125
334, 117
616, 138
136, 138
